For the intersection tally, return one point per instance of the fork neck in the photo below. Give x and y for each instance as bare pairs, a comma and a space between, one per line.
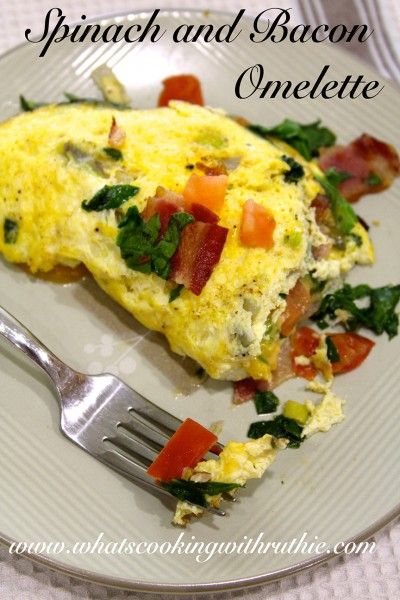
19, 336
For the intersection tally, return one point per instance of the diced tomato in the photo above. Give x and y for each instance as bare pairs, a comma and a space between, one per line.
298, 304
257, 226
165, 203
198, 252
204, 214
190, 442
304, 343
181, 87
207, 190
353, 349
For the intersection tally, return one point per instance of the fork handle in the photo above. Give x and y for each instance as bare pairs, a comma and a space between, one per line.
18, 335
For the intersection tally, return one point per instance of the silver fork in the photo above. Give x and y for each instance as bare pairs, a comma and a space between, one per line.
101, 413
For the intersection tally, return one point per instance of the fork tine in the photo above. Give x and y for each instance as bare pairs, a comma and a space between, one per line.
127, 467
158, 416
143, 429
125, 439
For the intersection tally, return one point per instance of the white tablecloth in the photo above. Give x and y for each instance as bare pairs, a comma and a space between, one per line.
373, 576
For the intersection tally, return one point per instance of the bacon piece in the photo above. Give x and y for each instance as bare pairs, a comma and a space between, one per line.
362, 158
204, 214
322, 251
214, 169
199, 250
165, 203
246, 389
116, 136
298, 306
322, 208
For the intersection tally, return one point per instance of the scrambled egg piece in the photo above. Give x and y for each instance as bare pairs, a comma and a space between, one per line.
326, 413
52, 159
237, 463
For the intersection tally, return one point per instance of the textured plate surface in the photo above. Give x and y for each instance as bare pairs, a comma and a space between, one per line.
335, 486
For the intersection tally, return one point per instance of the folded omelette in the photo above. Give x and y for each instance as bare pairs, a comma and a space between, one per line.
52, 161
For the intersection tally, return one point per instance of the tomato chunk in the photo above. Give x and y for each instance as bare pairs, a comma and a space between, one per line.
353, 349
304, 343
298, 304
207, 190
186, 448
257, 226
181, 87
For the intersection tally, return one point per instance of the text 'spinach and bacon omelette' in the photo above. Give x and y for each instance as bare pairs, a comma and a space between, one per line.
222, 235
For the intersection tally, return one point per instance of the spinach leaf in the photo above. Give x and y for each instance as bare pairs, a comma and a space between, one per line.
195, 492
343, 213
331, 351
266, 402
113, 153
307, 139
296, 171
10, 231
110, 196
378, 316
138, 243
336, 177
175, 292
373, 179
29, 105
72, 99
280, 427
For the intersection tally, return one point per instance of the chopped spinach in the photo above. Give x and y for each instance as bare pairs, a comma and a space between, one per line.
265, 402
379, 315
139, 245
10, 231
110, 196
357, 239
307, 139
113, 153
280, 427
195, 492
296, 171
175, 292
336, 177
331, 351
72, 99
29, 105
373, 179
343, 213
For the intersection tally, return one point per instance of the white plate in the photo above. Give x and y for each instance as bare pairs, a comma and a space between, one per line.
337, 486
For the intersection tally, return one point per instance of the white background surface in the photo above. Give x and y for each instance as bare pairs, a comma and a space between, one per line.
367, 577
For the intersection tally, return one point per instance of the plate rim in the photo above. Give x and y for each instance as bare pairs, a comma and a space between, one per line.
213, 586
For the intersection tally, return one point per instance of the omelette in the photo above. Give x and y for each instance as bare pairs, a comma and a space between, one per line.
56, 160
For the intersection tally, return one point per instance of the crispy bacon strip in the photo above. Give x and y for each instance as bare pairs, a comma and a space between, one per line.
198, 253
217, 168
372, 164
245, 389
116, 136
165, 203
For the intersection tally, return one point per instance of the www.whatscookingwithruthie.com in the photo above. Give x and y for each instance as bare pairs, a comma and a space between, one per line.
202, 551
